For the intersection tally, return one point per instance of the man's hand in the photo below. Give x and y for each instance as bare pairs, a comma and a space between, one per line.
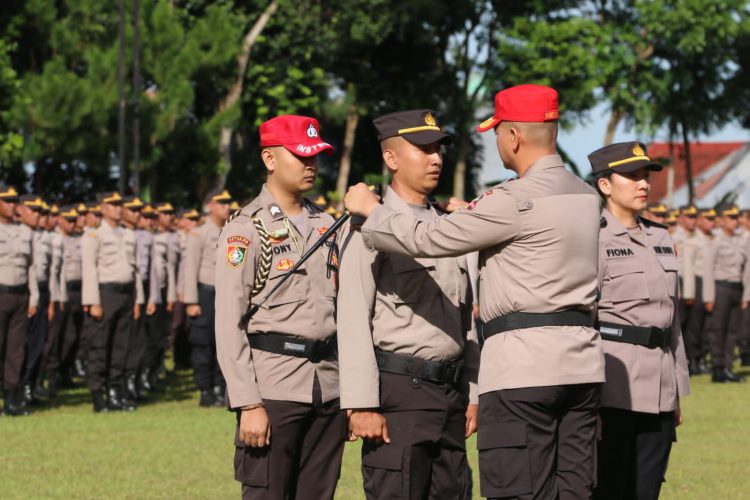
150, 309
136, 311
96, 311
472, 412
255, 428
193, 310
359, 200
678, 415
51, 311
475, 311
368, 424
31, 312
455, 204
744, 304
170, 306
709, 307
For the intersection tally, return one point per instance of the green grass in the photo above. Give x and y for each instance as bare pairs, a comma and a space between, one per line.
174, 449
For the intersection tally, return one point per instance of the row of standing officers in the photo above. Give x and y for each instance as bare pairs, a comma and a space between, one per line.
582, 363
101, 291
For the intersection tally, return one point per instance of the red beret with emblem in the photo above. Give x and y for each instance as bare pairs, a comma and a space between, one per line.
523, 103
298, 134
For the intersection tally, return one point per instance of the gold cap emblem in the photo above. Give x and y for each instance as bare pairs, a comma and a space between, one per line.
638, 150
430, 120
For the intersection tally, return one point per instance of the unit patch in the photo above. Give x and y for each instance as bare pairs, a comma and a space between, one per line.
284, 265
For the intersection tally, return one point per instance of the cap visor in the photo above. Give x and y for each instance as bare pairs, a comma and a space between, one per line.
310, 149
488, 124
632, 167
428, 137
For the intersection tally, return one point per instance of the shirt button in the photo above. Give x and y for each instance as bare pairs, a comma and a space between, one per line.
416, 382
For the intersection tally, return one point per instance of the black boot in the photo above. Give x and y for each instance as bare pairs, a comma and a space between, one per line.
145, 381
718, 375
207, 398
39, 394
131, 387
79, 368
117, 402
14, 404
733, 377
219, 396
53, 384
100, 402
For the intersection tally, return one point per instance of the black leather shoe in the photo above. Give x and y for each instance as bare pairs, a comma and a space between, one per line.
219, 396
733, 377
719, 375
131, 387
14, 404
145, 381
39, 394
207, 398
117, 402
100, 402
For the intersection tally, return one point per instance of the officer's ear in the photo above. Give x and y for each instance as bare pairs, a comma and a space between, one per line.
269, 160
604, 185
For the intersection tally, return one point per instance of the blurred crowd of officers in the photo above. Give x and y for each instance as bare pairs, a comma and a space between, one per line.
713, 248
98, 292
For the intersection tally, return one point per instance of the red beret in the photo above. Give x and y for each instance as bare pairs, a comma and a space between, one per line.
523, 103
298, 134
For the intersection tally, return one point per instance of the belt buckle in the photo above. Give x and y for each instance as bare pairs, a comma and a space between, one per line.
457, 368
659, 334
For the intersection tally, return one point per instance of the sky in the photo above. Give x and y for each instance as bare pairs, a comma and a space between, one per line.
589, 136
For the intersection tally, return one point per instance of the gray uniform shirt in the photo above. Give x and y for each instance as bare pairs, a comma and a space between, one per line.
42, 255
638, 283
200, 259
162, 268
144, 242
538, 242
55, 277
421, 307
725, 259
71, 263
16, 259
109, 256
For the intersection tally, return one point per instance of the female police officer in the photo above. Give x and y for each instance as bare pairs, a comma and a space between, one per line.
645, 358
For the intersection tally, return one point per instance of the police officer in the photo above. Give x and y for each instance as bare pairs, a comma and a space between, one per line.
89, 221
656, 212
29, 210
696, 339
51, 356
186, 222
19, 299
638, 319
406, 337
199, 296
284, 383
744, 340
144, 241
112, 293
161, 295
726, 292
542, 362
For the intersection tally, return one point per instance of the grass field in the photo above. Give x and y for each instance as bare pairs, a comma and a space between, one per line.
174, 449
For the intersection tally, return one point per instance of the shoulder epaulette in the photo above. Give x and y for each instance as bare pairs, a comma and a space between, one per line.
602, 222
649, 223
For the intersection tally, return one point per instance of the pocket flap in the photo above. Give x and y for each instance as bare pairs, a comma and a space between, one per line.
621, 267
502, 435
669, 263
384, 456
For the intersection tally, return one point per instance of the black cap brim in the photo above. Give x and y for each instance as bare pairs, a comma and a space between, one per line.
637, 165
429, 137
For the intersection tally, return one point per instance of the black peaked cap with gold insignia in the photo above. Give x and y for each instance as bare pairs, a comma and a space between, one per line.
110, 197
418, 126
623, 157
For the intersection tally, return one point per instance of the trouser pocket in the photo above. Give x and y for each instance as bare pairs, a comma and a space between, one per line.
382, 470
504, 465
251, 464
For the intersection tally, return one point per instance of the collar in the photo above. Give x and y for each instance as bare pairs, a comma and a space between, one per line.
545, 163
618, 228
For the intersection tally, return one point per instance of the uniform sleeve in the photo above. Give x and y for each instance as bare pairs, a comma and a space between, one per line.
31, 277
234, 284
54, 270
89, 270
154, 293
471, 354
709, 261
358, 369
488, 221
171, 269
192, 266
139, 294
677, 347
688, 273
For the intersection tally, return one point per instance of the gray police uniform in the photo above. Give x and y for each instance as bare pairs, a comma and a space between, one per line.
39, 324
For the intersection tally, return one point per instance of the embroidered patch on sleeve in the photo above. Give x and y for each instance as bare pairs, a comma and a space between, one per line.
237, 250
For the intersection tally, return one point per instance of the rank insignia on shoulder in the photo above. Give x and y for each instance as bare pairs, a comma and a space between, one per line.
274, 209
284, 265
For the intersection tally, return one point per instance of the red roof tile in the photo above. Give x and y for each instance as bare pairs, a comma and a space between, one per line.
703, 155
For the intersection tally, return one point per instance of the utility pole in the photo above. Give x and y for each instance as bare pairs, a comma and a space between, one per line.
136, 98
123, 181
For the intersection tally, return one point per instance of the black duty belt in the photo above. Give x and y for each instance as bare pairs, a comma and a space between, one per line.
446, 372
210, 288
734, 285
118, 287
278, 343
519, 320
73, 286
14, 288
43, 286
650, 337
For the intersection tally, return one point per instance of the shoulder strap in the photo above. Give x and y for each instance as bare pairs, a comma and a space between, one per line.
266, 256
